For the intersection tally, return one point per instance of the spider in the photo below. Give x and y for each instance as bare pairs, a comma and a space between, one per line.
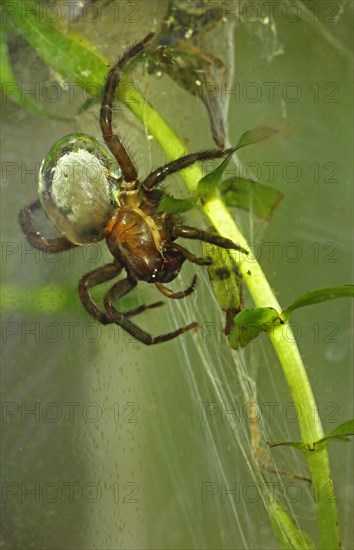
83, 195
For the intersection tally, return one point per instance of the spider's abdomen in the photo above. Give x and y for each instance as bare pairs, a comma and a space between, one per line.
136, 240
77, 183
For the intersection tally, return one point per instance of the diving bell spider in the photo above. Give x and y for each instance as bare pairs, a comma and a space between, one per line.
82, 194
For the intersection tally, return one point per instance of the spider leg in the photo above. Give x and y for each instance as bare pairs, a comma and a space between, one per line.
142, 308
94, 278
112, 140
189, 255
177, 295
122, 288
158, 175
122, 319
193, 233
25, 219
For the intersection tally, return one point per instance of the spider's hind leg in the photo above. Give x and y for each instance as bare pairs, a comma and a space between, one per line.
102, 275
33, 236
119, 290
94, 278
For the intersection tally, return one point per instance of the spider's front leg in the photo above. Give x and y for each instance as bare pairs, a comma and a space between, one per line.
192, 233
117, 292
33, 236
157, 176
189, 255
114, 143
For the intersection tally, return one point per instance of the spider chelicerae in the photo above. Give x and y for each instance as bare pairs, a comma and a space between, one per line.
82, 193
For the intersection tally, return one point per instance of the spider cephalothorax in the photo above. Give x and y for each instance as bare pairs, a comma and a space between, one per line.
82, 193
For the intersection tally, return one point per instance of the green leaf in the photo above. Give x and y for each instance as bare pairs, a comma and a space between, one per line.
288, 532
250, 323
68, 53
78, 61
318, 296
171, 205
254, 136
212, 181
9, 86
340, 433
252, 196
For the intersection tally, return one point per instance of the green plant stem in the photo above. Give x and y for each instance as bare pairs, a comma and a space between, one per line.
281, 336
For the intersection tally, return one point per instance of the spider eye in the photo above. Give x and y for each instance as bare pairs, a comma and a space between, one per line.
78, 181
